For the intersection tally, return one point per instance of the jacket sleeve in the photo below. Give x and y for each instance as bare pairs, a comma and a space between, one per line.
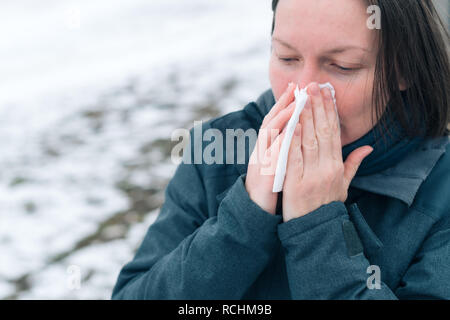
188, 255
325, 260
428, 277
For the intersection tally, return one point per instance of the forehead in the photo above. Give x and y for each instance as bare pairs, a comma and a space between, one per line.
324, 23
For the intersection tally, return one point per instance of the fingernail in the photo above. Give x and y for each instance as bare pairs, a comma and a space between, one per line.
314, 89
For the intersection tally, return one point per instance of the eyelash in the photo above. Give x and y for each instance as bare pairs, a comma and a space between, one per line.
342, 69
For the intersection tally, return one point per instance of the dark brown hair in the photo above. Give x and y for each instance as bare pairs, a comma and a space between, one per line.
413, 45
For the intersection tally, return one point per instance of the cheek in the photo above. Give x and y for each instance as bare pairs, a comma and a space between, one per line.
279, 80
354, 98
354, 102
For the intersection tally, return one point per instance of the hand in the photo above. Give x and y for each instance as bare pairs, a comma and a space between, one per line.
316, 174
263, 160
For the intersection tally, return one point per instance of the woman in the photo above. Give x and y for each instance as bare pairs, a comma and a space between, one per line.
365, 207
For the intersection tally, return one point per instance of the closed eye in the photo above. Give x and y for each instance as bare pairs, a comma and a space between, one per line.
338, 67
288, 59
343, 68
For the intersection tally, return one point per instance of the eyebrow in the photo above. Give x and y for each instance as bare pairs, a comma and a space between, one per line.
331, 51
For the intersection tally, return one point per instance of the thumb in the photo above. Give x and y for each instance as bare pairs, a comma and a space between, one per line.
353, 162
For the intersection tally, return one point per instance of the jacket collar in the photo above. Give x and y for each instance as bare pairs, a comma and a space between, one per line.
401, 181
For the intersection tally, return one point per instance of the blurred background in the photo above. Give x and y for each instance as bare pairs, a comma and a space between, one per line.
90, 94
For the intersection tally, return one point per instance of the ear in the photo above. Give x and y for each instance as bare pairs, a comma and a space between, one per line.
402, 84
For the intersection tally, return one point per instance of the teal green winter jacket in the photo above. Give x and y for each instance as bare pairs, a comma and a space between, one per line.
389, 240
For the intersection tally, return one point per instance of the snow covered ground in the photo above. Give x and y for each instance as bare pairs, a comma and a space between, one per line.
90, 94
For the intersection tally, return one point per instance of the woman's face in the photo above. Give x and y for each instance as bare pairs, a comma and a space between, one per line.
327, 41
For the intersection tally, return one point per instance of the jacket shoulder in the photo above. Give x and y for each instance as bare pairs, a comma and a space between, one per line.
225, 143
433, 196
246, 118
251, 116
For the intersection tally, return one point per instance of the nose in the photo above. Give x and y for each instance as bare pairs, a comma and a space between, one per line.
310, 72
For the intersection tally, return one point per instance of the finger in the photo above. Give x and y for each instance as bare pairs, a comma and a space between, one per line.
323, 130
277, 124
275, 147
353, 162
330, 108
294, 170
333, 120
271, 155
310, 148
286, 98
